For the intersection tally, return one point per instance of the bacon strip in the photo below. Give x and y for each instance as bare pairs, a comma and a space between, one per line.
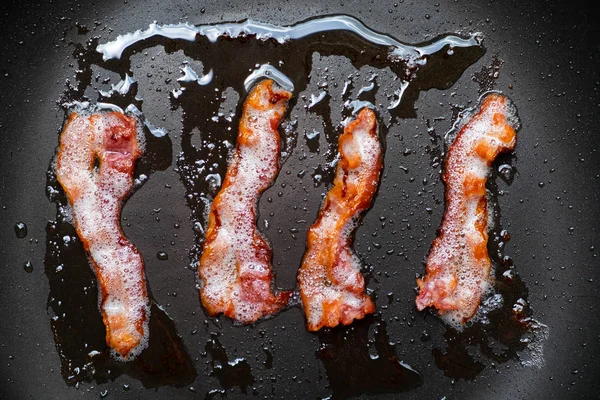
235, 267
458, 265
95, 165
331, 284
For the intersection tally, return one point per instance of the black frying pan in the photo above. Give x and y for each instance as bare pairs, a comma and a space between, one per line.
546, 58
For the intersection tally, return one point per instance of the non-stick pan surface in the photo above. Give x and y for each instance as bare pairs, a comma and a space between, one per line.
546, 57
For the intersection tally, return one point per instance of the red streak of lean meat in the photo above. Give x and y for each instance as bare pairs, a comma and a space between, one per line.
95, 163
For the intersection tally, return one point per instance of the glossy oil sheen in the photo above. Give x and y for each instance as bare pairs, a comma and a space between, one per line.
259, 51
545, 71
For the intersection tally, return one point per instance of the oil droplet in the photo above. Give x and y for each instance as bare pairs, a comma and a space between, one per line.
390, 297
28, 267
162, 255
507, 173
21, 230
312, 134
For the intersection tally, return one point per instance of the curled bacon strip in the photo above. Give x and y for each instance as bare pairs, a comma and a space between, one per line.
95, 163
331, 284
458, 265
235, 267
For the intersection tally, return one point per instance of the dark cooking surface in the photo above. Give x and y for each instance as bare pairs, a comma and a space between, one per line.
550, 57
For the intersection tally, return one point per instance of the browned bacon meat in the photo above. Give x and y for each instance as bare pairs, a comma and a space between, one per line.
95, 163
235, 267
331, 284
458, 265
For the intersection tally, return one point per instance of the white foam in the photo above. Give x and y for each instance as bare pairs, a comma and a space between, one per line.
453, 251
251, 170
96, 209
316, 287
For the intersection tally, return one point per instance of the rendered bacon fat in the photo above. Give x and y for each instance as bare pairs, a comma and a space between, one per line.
331, 284
95, 164
458, 265
235, 267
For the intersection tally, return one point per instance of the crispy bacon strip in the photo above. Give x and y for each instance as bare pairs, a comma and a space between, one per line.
95, 165
331, 284
235, 267
458, 265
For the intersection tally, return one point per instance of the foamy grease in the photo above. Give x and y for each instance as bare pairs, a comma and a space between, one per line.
460, 234
255, 165
347, 271
96, 211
